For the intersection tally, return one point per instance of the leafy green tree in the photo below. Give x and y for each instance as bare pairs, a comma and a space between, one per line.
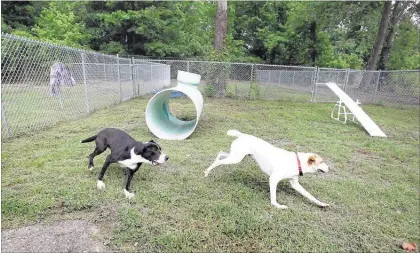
178, 29
325, 34
19, 15
401, 11
405, 50
377, 47
57, 24
260, 26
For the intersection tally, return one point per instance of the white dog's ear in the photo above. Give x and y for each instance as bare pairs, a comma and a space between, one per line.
311, 160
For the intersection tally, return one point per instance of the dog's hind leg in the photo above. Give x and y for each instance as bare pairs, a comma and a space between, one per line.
100, 185
99, 149
229, 158
91, 156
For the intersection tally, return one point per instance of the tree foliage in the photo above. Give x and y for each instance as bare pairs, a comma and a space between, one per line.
324, 34
405, 51
57, 23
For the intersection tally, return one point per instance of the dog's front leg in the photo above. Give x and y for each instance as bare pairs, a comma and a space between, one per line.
215, 163
296, 185
273, 192
129, 173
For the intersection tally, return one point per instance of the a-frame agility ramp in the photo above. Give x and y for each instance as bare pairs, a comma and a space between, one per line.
357, 111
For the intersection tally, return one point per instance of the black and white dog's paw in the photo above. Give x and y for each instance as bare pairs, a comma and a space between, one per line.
100, 185
90, 168
128, 194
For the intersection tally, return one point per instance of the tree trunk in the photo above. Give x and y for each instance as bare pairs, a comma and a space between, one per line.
374, 57
219, 79
313, 52
395, 19
221, 24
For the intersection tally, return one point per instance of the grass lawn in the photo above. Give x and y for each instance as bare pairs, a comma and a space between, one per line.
373, 186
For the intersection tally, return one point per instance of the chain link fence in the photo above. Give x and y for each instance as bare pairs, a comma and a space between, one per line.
247, 81
297, 83
395, 88
32, 100
43, 84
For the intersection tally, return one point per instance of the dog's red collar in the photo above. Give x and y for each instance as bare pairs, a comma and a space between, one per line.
299, 165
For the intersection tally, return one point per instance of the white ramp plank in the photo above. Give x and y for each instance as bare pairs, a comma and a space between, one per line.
357, 111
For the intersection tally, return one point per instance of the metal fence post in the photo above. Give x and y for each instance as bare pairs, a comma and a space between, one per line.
293, 77
377, 86
252, 72
188, 66
252, 77
150, 80
314, 80
346, 79
118, 76
85, 83
3, 116
280, 76
103, 56
60, 99
132, 76
138, 84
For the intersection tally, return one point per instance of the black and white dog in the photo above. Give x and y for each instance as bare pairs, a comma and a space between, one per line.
126, 151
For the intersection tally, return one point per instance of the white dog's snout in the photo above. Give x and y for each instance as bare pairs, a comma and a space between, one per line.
323, 167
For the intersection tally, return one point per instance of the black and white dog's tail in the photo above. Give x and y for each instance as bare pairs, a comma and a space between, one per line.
89, 139
235, 133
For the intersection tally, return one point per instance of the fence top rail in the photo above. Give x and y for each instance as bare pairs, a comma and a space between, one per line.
158, 61
54, 45
105, 57
121, 64
285, 66
286, 70
402, 70
385, 71
365, 71
230, 63
332, 69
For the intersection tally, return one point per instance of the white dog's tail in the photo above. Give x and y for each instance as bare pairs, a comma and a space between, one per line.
235, 133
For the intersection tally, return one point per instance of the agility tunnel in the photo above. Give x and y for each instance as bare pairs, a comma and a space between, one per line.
159, 118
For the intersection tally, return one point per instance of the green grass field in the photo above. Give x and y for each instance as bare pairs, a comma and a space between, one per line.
373, 186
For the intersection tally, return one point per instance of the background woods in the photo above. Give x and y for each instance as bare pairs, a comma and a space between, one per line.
357, 35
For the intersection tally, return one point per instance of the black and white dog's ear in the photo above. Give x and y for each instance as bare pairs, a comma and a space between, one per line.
152, 141
138, 149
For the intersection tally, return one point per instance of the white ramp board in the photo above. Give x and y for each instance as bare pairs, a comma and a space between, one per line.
360, 115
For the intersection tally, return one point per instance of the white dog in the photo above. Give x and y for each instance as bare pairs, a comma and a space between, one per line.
277, 163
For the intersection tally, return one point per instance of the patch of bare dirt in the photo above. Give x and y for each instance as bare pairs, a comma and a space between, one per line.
60, 236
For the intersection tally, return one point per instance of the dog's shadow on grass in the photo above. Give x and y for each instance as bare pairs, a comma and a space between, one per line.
258, 183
